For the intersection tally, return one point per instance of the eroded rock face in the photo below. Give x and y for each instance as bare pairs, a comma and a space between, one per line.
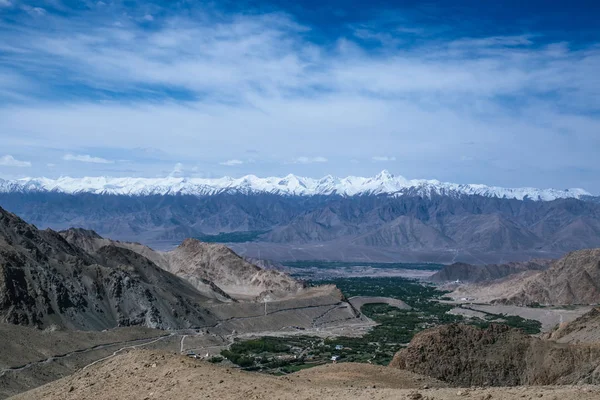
46, 280
198, 262
213, 269
497, 356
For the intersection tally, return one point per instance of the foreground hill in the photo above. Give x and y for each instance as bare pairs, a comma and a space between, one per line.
469, 273
45, 280
464, 355
156, 375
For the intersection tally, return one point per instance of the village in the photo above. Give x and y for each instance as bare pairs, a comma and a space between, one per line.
279, 356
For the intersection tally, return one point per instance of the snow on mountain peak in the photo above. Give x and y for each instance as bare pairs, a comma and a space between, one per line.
383, 183
384, 175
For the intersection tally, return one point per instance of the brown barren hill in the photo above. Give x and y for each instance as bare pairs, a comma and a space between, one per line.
574, 279
197, 261
213, 269
144, 374
497, 356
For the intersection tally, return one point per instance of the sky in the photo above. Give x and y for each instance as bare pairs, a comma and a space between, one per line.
504, 93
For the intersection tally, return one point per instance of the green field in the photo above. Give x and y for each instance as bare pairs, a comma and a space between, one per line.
232, 237
395, 330
344, 264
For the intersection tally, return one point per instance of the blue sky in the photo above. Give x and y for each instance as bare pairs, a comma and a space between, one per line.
504, 93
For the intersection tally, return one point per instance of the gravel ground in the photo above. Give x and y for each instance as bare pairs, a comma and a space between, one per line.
149, 375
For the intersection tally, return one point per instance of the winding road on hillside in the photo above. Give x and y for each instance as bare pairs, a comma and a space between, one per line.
87, 350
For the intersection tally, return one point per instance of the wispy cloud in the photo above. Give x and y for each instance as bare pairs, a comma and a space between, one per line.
310, 160
5, 3
86, 158
237, 80
10, 161
34, 11
383, 158
178, 169
232, 163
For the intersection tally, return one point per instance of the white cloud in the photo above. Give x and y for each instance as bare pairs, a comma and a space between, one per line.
33, 11
148, 17
177, 169
86, 158
10, 161
50, 165
5, 3
309, 160
231, 163
259, 79
383, 158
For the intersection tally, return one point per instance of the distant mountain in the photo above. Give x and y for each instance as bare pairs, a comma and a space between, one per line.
468, 273
387, 219
291, 185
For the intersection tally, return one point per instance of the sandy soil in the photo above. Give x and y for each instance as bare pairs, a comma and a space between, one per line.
30, 357
148, 375
22, 345
549, 317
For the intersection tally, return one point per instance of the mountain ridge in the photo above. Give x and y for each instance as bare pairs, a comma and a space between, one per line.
383, 183
472, 229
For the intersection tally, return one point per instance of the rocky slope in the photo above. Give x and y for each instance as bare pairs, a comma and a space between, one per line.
468, 273
213, 269
585, 329
46, 280
497, 356
574, 279
196, 262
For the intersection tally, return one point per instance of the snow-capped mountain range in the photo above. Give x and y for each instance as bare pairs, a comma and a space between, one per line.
383, 183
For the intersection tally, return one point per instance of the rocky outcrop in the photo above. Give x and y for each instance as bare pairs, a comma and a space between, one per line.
497, 356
